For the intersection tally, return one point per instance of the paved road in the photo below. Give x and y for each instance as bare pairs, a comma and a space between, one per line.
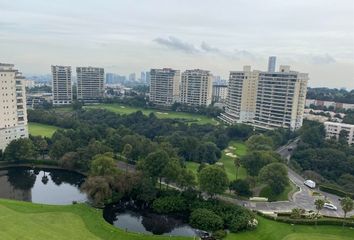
301, 199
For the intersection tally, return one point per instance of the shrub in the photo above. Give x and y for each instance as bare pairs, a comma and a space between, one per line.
219, 234
297, 212
205, 220
169, 204
332, 189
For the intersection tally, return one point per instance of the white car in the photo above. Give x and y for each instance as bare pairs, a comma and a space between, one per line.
330, 206
310, 184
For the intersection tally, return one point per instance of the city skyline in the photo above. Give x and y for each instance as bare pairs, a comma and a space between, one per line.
129, 36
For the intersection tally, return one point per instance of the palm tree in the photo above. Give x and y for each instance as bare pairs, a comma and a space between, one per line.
319, 203
347, 206
237, 163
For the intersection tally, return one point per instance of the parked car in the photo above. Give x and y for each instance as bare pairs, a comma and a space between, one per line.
330, 206
310, 183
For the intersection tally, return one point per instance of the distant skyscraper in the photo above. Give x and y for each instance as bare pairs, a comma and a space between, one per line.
61, 85
147, 78
132, 77
90, 83
13, 114
196, 87
164, 86
271, 63
143, 77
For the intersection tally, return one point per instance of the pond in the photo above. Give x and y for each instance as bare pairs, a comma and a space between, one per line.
144, 221
47, 186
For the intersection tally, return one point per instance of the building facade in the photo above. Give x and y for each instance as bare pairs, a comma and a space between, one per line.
13, 113
281, 99
61, 85
241, 98
196, 87
219, 93
164, 86
334, 129
266, 100
90, 84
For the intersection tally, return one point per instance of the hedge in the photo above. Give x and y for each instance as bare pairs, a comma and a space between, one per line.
320, 221
336, 191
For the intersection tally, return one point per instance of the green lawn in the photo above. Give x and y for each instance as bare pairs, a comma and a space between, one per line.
123, 109
38, 129
27, 221
228, 161
240, 150
270, 230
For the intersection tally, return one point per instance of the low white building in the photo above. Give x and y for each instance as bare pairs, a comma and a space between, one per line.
333, 129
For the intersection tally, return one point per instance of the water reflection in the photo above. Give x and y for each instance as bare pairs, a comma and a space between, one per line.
143, 221
48, 186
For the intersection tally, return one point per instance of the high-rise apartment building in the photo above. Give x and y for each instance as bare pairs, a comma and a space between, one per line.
281, 99
271, 63
61, 85
196, 87
90, 83
266, 99
13, 114
241, 98
164, 86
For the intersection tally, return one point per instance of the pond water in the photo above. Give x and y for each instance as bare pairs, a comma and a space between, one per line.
142, 221
48, 186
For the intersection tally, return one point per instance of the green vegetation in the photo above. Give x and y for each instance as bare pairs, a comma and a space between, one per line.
39, 129
124, 109
270, 230
22, 220
235, 147
283, 196
239, 149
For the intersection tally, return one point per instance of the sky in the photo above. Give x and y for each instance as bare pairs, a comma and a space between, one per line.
124, 36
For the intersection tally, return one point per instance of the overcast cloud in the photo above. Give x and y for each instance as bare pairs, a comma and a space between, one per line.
314, 36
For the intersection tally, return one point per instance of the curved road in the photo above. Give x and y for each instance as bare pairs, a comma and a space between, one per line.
300, 199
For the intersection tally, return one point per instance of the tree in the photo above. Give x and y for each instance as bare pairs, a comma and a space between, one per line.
172, 170
103, 165
213, 180
20, 150
343, 136
186, 179
347, 206
276, 176
256, 160
154, 164
127, 150
237, 163
241, 187
319, 203
69, 160
98, 188
259, 142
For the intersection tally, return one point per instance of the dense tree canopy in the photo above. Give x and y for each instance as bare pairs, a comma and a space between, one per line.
213, 180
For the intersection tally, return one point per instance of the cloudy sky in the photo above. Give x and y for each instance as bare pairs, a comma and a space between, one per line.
314, 36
